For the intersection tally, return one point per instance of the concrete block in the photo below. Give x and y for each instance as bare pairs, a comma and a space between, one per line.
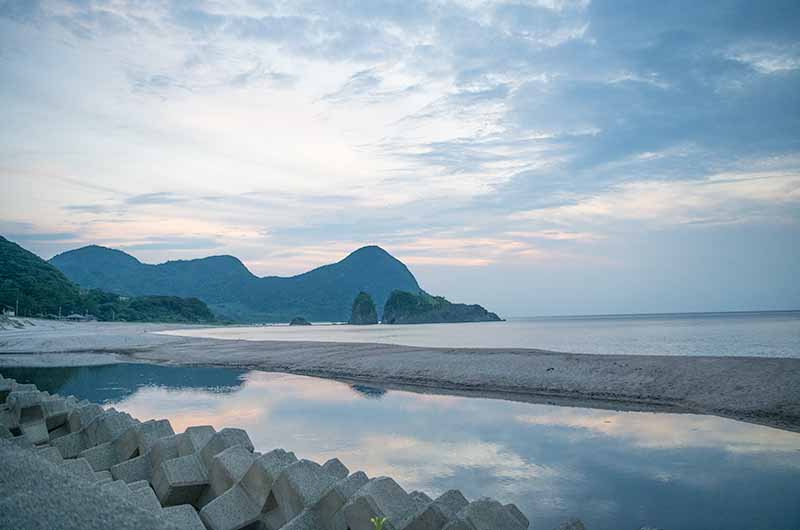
5, 432
150, 431
300, 486
244, 503
335, 467
308, 520
24, 404
232, 510
107, 426
518, 515
458, 524
133, 470
354, 482
180, 480
21, 441
100, 457
139, 438
262, 474
183, 517
58, 432
71, 445
420, 497
56, 412
451, 502
488, 514
117, 487
82, 415
222, 440
380, 497
26, 410
139, 484
143, 467
103, 475
8, 420
146, 499
35, 431
425, 517
80, 468
227, 468
6, 386
164, 449
329, 507
50, 453
194, 439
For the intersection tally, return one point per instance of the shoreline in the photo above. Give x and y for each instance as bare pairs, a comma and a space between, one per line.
758, 390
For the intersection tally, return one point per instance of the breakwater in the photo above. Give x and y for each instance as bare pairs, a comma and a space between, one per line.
206, 479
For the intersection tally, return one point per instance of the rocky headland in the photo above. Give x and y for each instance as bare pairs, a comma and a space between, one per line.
404, 307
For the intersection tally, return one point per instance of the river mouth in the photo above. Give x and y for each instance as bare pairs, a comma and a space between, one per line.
612, 469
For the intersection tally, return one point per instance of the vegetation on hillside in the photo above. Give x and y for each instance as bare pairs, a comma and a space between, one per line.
363, 311
408, 308
33, 287
31, 284
231, 291
109, 306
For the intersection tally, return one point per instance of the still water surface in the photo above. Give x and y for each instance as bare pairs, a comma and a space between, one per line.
616, 470
758, 334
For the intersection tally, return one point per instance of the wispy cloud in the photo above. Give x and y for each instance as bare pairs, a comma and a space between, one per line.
477, 134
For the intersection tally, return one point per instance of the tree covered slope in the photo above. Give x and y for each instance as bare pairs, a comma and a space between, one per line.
37, 288
421, 308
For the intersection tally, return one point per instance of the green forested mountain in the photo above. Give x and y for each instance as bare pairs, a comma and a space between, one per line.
421, 308
37, 288
233, 292
33, 284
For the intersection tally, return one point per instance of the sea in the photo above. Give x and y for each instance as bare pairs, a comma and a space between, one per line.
748, 334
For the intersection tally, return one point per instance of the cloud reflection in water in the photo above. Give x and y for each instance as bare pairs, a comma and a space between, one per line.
608, 467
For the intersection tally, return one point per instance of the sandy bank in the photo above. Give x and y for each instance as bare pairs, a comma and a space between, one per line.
758, 390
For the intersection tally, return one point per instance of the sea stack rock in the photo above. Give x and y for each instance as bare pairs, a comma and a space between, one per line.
299, 321
363, 310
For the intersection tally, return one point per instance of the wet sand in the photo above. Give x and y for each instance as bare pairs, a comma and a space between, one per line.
758, 390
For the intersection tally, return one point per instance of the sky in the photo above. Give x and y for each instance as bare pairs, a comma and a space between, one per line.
538, 157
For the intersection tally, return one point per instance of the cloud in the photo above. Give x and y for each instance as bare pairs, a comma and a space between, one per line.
359, 83
156, 198
172, 243
457, 133
719, 199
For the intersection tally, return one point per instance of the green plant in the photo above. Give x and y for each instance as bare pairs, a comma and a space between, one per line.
377, 522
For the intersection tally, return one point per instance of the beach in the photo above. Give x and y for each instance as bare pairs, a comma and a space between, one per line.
758, 390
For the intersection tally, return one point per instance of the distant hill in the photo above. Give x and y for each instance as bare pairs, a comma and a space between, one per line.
38, 288
233, 292
421, 308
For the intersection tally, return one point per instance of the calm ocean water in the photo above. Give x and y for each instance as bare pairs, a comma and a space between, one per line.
615, 470
759, 334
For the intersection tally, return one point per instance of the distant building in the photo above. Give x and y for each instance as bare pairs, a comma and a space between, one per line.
75, 317
8, 312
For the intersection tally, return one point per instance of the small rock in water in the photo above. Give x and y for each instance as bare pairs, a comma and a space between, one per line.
572, 524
